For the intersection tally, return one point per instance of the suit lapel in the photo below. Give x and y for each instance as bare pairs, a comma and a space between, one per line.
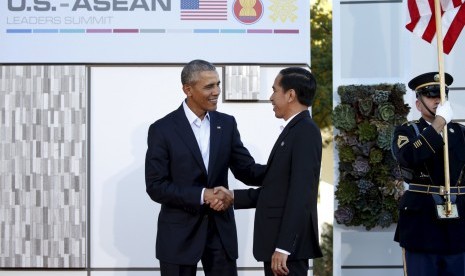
280, 141
184, 131
215, 138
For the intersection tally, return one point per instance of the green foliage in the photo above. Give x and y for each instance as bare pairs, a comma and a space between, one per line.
322, 66
376, 156
347, 192
369, 185
381, 96
366, 106
344, 117
366, 132
346, 154
386, 112
385, 137
351, 94
324, 266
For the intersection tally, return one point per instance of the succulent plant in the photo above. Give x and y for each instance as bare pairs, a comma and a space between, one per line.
365, 106
370, 184
366, 131
385, 219
386, 111
364, 185
344, 215
376, 156
381, 96
346, 154
385, 137
344, 117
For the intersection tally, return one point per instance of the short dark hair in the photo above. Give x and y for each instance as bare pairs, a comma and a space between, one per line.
190, 71
302, 81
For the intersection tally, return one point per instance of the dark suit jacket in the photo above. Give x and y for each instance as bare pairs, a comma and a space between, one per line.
418, 228
175, 175
286, 204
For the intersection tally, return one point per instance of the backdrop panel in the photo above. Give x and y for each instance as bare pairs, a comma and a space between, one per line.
43, 166
154, 31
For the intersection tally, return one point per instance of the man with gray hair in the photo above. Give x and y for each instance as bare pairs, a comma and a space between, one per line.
189, 153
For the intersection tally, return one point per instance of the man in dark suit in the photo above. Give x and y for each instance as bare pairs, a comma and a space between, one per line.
433, 243
286, 223
189, 153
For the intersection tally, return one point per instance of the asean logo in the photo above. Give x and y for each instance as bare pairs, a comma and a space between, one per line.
248, 11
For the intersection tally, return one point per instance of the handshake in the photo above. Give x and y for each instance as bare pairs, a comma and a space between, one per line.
219, 198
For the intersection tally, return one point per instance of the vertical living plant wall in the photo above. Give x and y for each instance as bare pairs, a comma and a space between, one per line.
370, 184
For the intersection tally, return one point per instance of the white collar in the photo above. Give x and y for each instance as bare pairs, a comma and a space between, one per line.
191, 117
287, 121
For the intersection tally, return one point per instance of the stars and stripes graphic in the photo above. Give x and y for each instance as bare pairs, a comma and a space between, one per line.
422, 20
204, 10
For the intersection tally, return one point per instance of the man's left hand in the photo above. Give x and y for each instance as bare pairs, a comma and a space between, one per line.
278, 264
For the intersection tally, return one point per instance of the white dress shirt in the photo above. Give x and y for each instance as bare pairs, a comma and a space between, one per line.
201, 129
281, 127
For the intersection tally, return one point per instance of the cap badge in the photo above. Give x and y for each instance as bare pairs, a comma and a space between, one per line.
436, 77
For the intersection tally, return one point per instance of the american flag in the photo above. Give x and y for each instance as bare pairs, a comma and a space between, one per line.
422, 20
204, 10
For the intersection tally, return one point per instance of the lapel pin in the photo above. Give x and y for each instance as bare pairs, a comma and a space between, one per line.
282, 143
451, 130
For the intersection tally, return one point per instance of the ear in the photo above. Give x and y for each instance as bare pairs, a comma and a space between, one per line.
292, 95
418, 104
187, 89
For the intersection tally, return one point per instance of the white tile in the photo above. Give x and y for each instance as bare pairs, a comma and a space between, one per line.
371, 272
42, 273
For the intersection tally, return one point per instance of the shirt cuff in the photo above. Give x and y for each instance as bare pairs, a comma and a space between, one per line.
283, 251
201, 197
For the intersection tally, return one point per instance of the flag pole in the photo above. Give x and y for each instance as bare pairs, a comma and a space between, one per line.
437, 13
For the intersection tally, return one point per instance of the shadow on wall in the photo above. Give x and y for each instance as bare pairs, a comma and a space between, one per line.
127, 220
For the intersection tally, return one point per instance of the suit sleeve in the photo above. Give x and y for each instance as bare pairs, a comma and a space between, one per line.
301, 201
246, 198
242, 164
158, 180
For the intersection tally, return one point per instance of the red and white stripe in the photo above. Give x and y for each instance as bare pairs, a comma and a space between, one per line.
422, 20
207, 10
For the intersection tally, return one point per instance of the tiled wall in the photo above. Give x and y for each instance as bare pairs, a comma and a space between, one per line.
43, 174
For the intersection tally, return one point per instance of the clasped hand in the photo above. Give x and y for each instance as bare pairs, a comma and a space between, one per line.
445, 111
219, 198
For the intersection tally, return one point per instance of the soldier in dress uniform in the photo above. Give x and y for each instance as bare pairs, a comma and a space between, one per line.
433, 243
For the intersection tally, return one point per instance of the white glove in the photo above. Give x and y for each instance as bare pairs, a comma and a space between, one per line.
445, 111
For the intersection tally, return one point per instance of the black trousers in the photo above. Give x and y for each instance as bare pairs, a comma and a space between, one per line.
215, 260
296, 268
425, 264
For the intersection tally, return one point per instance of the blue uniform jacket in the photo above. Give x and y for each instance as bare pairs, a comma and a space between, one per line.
421, 158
